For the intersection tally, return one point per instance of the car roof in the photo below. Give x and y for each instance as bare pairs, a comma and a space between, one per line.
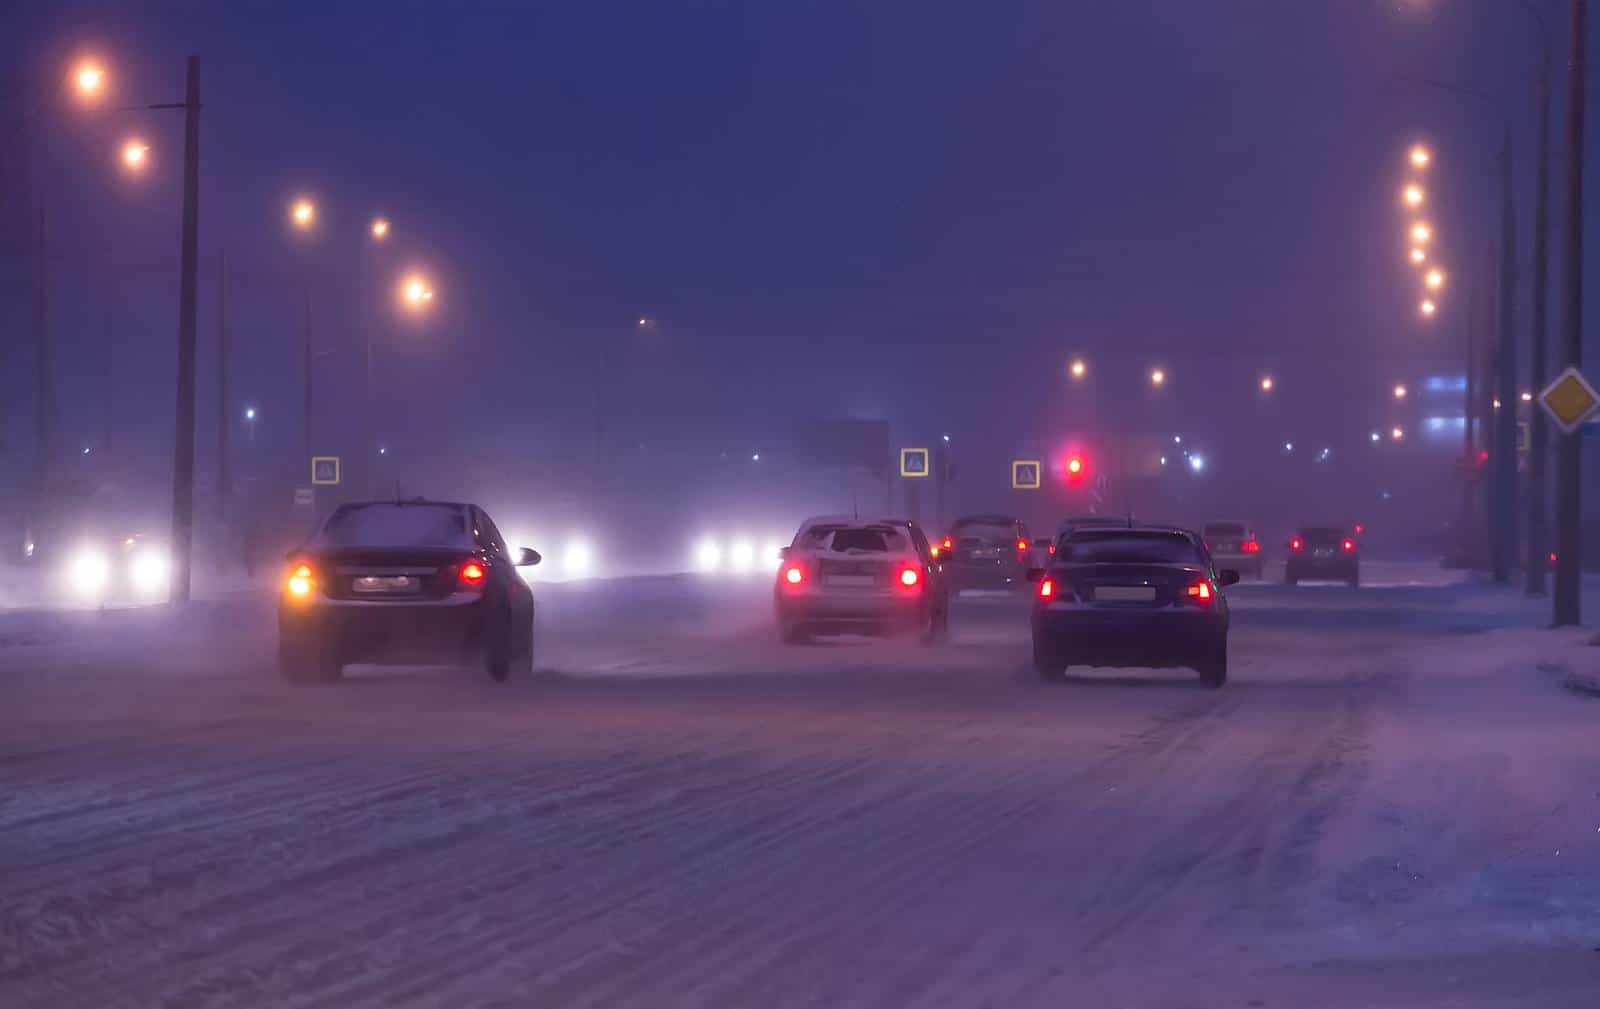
987, 520
1142, 530
407, 501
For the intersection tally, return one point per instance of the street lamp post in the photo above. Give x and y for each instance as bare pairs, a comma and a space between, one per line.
1505, 460
1566, 606
183, 447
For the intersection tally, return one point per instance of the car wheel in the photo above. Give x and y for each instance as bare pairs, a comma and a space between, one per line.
309, 661
938, 627
526, 663
793, 632
1214, 671
497, 654
1049, 663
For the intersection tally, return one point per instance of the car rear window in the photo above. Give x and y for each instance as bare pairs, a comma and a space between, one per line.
395, 525
980, 529
869, 539
1118, 547
1322, 536
1234, 529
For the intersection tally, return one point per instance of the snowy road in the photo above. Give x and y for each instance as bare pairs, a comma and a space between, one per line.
1391, 804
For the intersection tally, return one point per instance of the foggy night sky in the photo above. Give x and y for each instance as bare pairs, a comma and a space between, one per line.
916, 211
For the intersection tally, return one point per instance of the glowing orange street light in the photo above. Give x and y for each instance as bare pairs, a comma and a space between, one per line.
135, 154
1266, 383
1399, 390
1158, 377
1435, 279
1421, 233
303, 213
1397, 433
1078, 368
1418, 257
89, 78
1428, 308
415, 292
1413, 195
380, 229
1420, 156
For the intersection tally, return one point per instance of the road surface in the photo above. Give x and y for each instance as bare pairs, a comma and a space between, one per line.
1394, 802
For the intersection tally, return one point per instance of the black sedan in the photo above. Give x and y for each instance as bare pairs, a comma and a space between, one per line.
405, 582
1132, 597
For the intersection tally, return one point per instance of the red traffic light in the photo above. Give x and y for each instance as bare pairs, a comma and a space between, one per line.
1075, 467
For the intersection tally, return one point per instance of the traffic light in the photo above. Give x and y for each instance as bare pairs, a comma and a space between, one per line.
1076, 468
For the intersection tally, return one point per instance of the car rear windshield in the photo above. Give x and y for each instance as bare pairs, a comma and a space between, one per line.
395, 525
1234, 529
985, 529
1322, 536
859, 539
1117, 547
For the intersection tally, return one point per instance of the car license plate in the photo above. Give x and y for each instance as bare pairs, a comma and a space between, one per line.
1322, 552
385, 583
1124, 593
850, 581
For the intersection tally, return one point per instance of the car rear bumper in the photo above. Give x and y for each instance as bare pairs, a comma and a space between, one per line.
980, 575
1129, 637
854, 614
399, 632
1237, 562
1332, 568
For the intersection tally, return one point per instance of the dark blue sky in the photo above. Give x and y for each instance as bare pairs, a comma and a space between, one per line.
916, 211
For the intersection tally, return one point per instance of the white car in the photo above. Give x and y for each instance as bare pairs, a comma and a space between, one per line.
846, 575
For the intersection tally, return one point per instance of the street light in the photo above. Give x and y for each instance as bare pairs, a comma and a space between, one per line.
303, 213
1418, 257
135, 154
1266, 383
1397, 433
1435, 279
1158, 377
1428, 307
1399, 390
380, 229
415, 292
1421, 233
1413, 195
89, 78
1420, 156
1078, 368
249, 413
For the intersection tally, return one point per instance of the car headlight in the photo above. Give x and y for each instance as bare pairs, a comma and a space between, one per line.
742, 556
149, 571
577, 560
89, 571
707, 556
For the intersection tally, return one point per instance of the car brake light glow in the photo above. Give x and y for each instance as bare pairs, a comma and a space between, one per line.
909, 577
1022, 546
1047, 589
948, 544
472, 573
1297, 544
1200, 591
793, 575
1349, 546
301, 580
1251, 547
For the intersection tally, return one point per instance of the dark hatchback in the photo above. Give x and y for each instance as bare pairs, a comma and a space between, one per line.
405, 582
1132, 597
987, 552
1323, 553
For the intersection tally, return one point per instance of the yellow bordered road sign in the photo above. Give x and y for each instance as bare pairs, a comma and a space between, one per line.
1025, 474
914, 462
324, 469
1569, 400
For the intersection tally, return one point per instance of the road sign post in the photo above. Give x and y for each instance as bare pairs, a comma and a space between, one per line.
1569, 400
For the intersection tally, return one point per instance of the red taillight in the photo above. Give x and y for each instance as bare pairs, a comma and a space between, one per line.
948, 545
1052, 550
1349, 546
1251, 547
1047, 588
1360, 528
1022, 546
301, 581
794, 575
473, 574
910, 578
1200, 592
1297, 544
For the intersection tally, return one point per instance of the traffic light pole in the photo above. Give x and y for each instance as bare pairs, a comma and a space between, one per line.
183, 447
1566, 605
1504, 459
1538, 429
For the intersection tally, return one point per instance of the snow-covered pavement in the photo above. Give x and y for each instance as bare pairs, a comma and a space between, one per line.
1394, 802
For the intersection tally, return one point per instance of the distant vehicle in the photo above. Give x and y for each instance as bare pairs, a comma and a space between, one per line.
1234, 545
405, 582
987, 552
108, 567
1323, 553
1072, 523
853, 576
1132, 597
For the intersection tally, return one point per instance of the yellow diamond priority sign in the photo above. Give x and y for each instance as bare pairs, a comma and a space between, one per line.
1569, 400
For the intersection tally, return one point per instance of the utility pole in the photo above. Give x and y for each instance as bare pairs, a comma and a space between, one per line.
1566, 606
224, 478
1538, 432
44, 382
1505, 457
183, 448
305, 422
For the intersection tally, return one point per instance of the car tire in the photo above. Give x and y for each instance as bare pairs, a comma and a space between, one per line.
499, 651
938, 627
1214, 671
1049, 663
793, 632
309, 661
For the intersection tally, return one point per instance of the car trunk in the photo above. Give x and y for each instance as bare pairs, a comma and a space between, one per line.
1131, 586
400, 574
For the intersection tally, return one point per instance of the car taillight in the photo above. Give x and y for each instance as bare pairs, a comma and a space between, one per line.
1047, 588
1252, 547
1022, 546
1297, 544
1199, 592
473, 574
301, 581
910, 578
1349, 546
1052, 550
1360, 528
947, 545
793, 575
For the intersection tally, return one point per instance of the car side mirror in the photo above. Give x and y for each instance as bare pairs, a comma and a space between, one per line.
783, 553
1227, 577
1035, 574
528, 558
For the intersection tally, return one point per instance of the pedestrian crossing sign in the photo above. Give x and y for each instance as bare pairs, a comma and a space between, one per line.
325, 469
1025, 474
